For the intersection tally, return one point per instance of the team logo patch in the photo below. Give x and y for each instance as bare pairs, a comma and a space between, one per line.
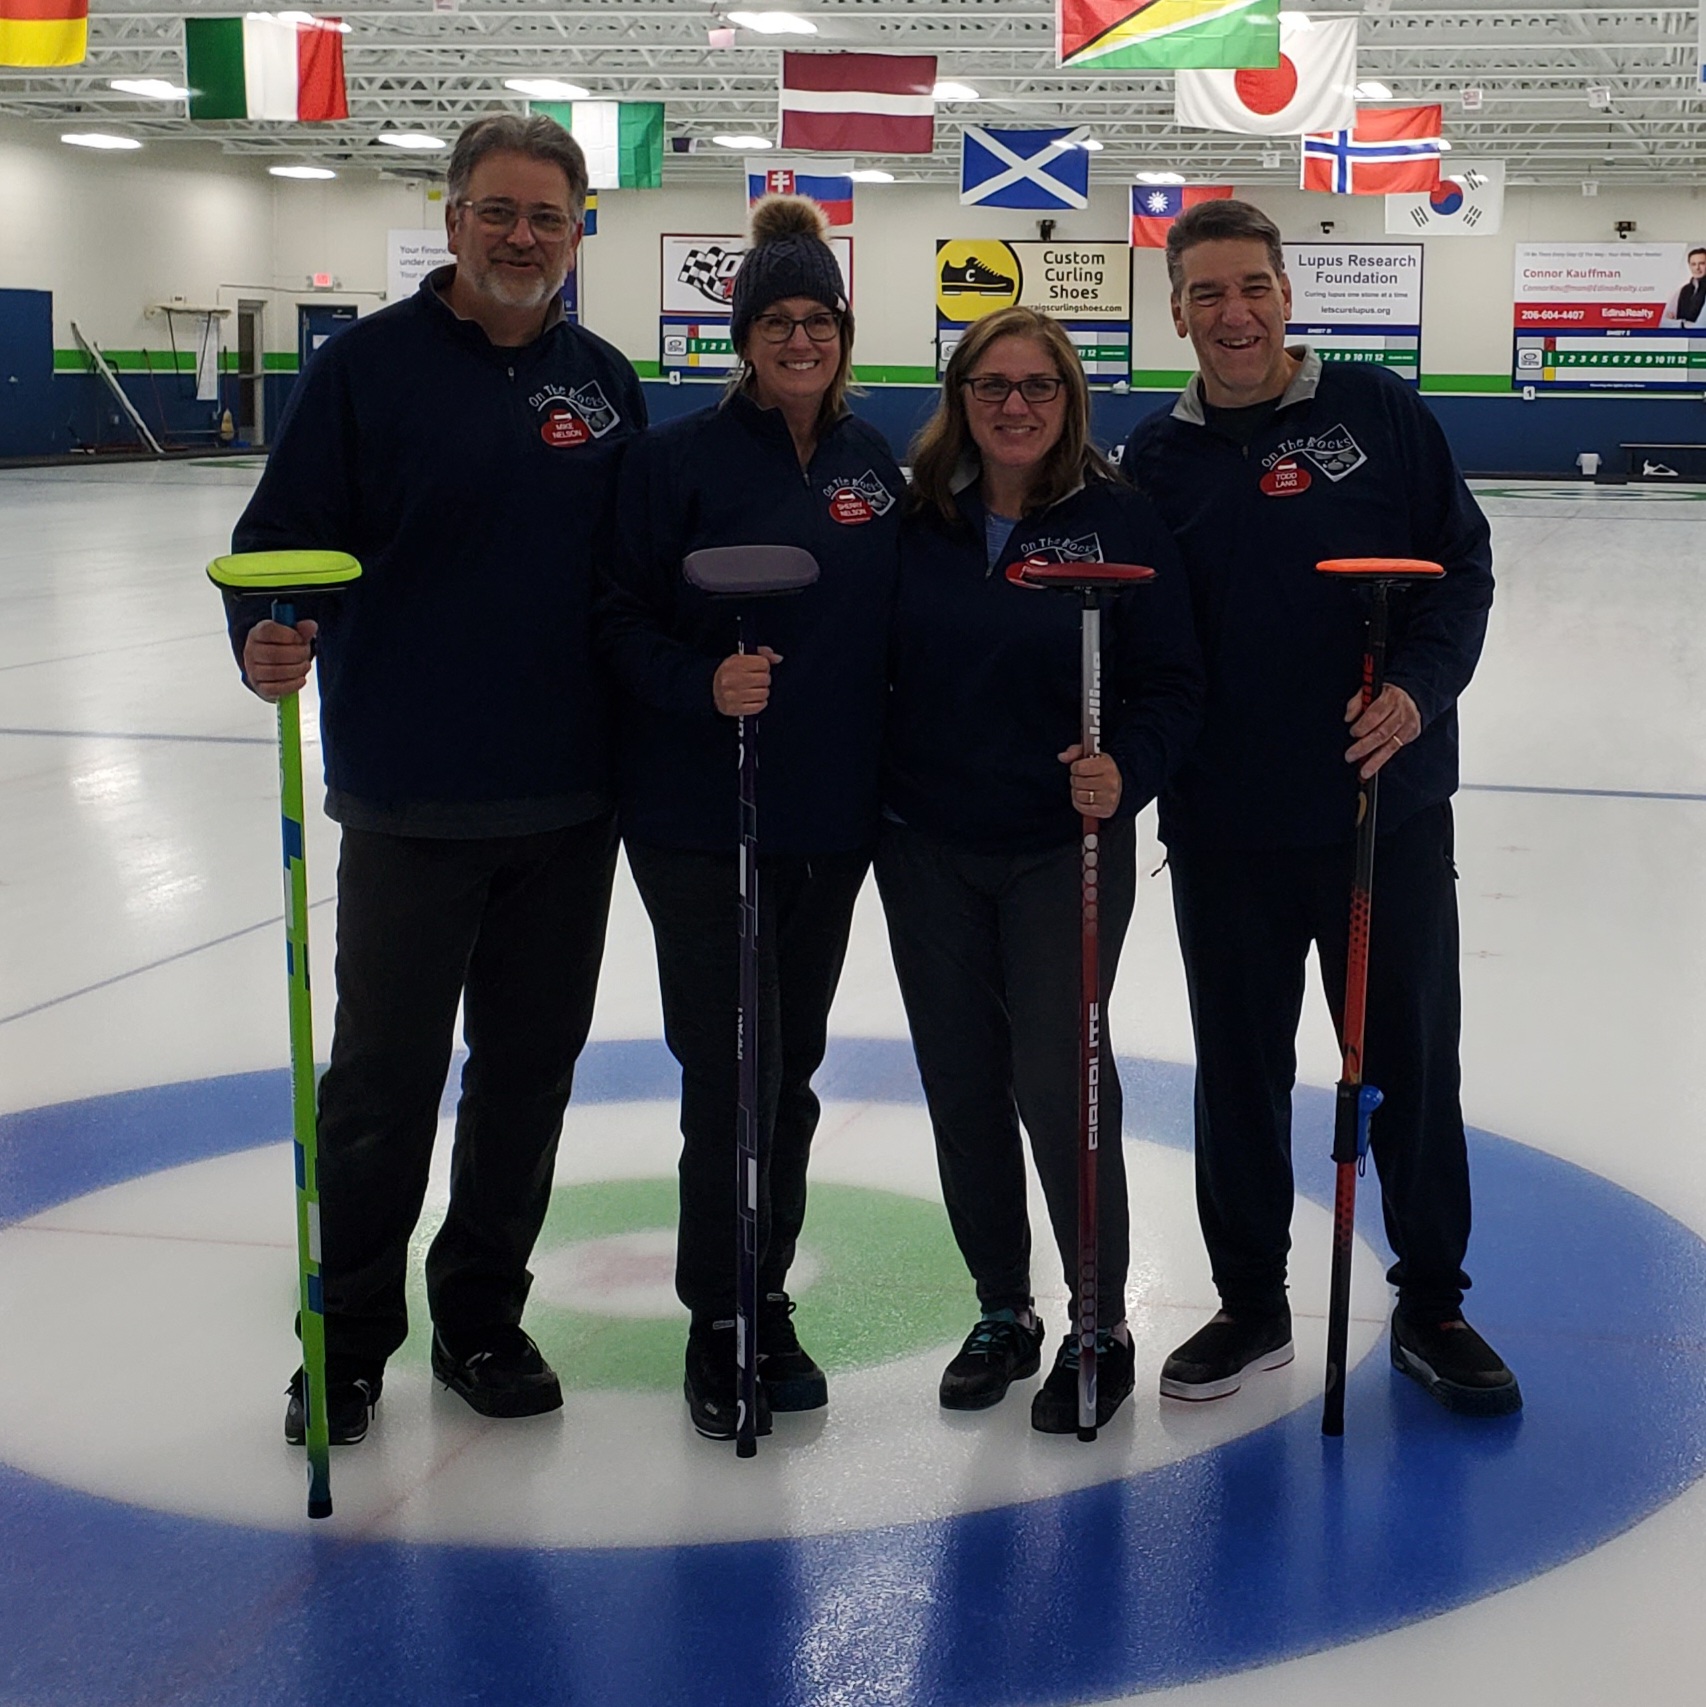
574, 414
1056, 548
1285, 479
855, 502
1334, 452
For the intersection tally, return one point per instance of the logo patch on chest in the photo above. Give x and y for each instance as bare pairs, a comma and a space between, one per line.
1055, 548
574, 414
1285, 479
1335, 453
852, 503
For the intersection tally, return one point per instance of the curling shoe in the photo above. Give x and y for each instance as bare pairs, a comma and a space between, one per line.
712, 1382
1213, 1362
502, 1375
349, 1406
1452, 1362
1054, 1410
790, 1378
1000, 1350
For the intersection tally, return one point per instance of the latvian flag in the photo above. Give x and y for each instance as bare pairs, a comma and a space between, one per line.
859, 103
263, 67
1393, 151
828, 182
44, 32
1154, 207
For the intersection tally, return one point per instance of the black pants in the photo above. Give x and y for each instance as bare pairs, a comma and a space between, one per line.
986, 948
805, 915
513, 928
1246, 920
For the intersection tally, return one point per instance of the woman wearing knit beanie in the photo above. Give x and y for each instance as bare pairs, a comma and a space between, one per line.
778, 461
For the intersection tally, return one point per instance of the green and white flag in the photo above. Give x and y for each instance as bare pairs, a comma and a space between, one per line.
622, 140
265, 67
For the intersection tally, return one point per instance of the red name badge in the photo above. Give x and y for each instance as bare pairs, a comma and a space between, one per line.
850, 508
1286, 479
562, 428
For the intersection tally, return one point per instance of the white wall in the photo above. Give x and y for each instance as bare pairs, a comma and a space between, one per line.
108, 233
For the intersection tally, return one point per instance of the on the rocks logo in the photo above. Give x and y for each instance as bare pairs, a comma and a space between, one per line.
573, 414
1334, 452
1055, 548
854, 502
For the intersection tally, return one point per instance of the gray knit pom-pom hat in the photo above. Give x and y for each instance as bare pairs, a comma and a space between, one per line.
790, 256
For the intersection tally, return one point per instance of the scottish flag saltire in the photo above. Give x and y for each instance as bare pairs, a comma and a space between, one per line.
827, 180
1025, 168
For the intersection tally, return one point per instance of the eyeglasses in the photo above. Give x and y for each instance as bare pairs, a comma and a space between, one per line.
548, 224
821, 328
1036, 388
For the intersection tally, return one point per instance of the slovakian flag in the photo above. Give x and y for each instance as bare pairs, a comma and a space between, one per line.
44, 32
1470, 202
826, 180
1312, 87
1165, 35
859, 103
1390, 151
265, 67
1154, 207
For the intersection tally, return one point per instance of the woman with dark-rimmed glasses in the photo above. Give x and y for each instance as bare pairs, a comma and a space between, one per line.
984, 787
780, 461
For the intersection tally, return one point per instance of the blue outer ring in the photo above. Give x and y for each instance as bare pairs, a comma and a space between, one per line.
1273, 1545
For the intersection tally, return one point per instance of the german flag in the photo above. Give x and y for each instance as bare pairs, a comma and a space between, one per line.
44, 32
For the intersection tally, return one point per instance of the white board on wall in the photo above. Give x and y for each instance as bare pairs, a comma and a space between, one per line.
409, 257
1358, 302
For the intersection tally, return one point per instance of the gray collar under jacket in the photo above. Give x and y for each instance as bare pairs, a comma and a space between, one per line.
1189, 408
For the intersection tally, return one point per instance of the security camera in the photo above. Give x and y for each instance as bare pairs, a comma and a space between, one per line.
1326, 228
1625, 228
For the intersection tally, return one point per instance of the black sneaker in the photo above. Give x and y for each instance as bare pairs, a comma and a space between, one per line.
1054, 1410
1453, 1363
712, 1383
998, 1351
1214, 1360
349, 1404
973, 278
791, 1380
503, 1375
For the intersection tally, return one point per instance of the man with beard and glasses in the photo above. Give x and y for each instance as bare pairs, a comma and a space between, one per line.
463, 444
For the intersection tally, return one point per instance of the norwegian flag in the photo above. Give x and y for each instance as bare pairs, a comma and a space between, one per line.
859, 103
1393, 151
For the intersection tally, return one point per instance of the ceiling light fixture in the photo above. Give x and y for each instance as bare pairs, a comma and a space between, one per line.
1160, 178
301, 172
547, 88
774, 23
743, 142
1372, 92
955, 92
337, 24
98, 139
409, 139
871, 175
150, 88
1092, 145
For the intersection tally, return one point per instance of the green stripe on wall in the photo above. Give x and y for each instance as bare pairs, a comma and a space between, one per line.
1160, 378
1466, 382
158, 361
213, 65
864, 375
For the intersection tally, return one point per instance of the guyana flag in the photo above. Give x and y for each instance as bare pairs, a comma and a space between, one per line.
44, 32
1167, 35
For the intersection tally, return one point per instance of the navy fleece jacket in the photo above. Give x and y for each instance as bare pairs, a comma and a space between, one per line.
476, 484
729, 475
986, 672
1353, 464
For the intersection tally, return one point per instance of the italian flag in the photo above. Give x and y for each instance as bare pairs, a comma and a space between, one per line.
44, 32
261, 67
622, 140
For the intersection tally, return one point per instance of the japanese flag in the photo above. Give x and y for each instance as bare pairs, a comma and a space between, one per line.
1313, 88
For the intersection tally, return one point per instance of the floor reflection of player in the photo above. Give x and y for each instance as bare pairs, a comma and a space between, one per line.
1689, 309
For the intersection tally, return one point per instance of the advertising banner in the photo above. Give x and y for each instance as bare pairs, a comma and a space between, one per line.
1358, 302
409, 257
1623, 315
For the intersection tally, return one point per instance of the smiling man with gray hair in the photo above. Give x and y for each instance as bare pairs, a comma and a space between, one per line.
463, 444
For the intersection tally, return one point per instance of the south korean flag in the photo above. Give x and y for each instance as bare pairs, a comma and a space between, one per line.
1469, 201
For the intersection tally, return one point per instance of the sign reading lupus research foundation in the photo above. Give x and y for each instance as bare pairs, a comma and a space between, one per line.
1085, 286
1598, 315
696, 294
1358, 302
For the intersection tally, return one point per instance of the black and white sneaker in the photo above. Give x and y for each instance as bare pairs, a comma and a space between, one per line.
349, 1406
1214, 1361
1054, 1410
1453, 1363
791, 1380
973, 278
712, 1382
502, 1375
997, 1352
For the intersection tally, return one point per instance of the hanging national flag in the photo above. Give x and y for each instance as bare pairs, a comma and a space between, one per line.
622, 140
1025, 168
589, 215
44, 32
1154, 207
265, 67
1312, 88
1470, 202
826, 180
859, 103
1390, 151
1165, 35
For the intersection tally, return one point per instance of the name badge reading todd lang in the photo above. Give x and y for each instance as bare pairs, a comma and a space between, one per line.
1285, 479
855, 502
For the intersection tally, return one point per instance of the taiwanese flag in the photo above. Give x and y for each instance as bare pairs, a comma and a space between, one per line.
1392, 151
859, 103
44, 32
1154, 207
827, 182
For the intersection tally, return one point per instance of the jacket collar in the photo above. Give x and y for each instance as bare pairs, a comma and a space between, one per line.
970, 472
1304, 384
437, 282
